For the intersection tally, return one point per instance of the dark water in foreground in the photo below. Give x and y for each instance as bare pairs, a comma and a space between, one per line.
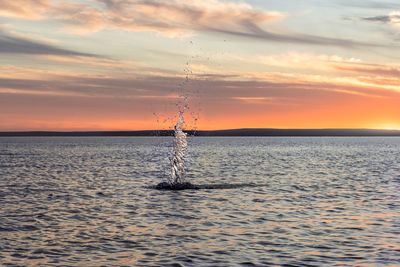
84, 202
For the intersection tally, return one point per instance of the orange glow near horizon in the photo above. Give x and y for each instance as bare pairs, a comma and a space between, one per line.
59, 113
388, 126
305, 119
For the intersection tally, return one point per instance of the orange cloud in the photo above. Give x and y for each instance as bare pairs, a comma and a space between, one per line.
79, 18
172, 18
372, 69
26, 9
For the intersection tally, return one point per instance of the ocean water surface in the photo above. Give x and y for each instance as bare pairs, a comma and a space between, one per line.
86, 202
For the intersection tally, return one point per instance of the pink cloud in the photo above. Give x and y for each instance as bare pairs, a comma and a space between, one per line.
172, 18
26, 9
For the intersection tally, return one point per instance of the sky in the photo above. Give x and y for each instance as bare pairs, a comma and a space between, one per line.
72, 65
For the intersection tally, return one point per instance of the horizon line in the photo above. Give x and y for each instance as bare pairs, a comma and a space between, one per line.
222, 132
208, 130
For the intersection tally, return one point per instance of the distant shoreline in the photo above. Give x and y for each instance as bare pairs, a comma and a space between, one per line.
233, 132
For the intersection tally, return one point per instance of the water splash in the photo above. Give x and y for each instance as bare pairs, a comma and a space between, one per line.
180, 150
188, 91
177, 181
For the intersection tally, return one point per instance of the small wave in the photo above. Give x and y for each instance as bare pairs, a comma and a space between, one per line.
190, 186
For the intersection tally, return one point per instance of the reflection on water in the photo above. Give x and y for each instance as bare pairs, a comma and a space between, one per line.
83, 202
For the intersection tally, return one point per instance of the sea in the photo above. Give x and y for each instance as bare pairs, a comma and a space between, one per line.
279, 201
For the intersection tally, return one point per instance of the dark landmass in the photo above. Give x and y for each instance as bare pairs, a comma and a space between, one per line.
233, 132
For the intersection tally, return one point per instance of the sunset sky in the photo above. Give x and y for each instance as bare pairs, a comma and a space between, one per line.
122, 64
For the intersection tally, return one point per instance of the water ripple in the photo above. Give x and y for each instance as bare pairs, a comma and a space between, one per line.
289, 202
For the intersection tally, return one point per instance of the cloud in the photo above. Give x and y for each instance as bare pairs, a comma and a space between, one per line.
26, 9
79, 18
175, 18
296, 59
251, 86
182, 17
374, 69
393, 18
337, 69
13, 44
256, 32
